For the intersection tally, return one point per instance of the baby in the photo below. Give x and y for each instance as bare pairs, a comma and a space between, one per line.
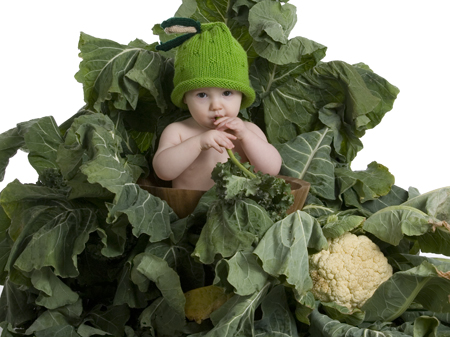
211, 80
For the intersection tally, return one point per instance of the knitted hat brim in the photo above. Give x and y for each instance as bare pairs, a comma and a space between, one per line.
177, 96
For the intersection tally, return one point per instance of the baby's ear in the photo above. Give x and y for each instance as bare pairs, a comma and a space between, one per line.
184, 99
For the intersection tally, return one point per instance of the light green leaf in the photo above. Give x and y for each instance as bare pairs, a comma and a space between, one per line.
324, 326
284, 249
147, 213
436, 241
368, 185
5, 243
339, 226
435, 203
42, 140
343, 314
10, 142
271, 21
47, 320
148, 72
166, 279
381, 88
346, 142
100, 160
270, 24
129, 293
160, 316
390, 224
179, 257
277, 319
17, 305
54, 293
59, 240
286, 113
85, 330
231, 228
307, 157
236, 316
426, 284
396, 196
243, 272
104, 68
426, 326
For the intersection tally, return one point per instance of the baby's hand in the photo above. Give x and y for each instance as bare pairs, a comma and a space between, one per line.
233, 124
217, 140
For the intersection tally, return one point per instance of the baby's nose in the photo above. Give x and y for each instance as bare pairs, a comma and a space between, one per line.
215, 105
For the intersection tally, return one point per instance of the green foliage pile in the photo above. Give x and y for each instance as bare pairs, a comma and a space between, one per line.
87, 252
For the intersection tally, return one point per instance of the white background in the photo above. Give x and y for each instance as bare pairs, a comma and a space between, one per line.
405, 42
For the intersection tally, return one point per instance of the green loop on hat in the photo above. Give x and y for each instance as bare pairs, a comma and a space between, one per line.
213, 58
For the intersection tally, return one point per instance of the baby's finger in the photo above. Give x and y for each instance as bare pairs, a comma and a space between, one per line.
230, 136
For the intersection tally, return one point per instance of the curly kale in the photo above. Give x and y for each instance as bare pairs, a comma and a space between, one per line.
233, 183
52, 177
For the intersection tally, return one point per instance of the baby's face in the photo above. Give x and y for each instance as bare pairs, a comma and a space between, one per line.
207, 104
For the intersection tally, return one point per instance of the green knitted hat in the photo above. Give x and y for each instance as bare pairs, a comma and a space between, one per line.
210, 57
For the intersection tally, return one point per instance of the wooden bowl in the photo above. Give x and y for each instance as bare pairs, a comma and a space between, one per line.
183, 201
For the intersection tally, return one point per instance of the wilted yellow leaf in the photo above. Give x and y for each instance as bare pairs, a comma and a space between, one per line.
201, 302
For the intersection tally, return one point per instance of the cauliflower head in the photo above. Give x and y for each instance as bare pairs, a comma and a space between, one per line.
349, 272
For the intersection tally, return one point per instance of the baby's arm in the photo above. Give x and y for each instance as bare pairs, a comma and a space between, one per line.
259, 152
174, 156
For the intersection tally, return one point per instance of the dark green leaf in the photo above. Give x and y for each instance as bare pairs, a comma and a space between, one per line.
10, 142
231, 228
425, 284
284, 249
307, 157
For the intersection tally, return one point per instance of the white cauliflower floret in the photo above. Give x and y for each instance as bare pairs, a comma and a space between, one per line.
349, 272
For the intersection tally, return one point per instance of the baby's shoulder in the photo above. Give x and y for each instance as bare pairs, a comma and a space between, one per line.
177, 126
182, 129
255, 128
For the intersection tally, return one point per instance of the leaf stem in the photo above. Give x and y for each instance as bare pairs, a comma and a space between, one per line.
238, 163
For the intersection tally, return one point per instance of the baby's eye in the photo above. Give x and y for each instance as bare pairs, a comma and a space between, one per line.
227, 93
201, 94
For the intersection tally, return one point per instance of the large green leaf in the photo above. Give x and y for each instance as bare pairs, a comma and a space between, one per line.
277, 320
179, 257
236, 317
160, 316
358, 187
5, 243
129, 293
51, 323
426, 284
95, 146
271, 21
10, 142
166, 279
324, 326
390, 224
396, 196
17, 305
283, 250
334, 92
54, 293
307, 157
435, 203
270, 24
242, 273
110, 319
231, 228
42, 140
61, 237
114, 72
